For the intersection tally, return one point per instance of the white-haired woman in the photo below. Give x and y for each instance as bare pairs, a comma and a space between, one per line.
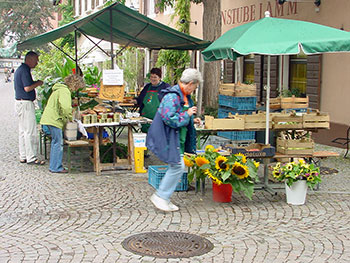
172, 133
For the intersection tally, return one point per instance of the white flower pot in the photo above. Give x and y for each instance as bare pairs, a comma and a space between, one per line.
296, 194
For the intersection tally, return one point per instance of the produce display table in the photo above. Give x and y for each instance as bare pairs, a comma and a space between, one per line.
128, 106
97, 131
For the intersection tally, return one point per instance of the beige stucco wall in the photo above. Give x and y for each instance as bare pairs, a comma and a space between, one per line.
335, 87
335, 67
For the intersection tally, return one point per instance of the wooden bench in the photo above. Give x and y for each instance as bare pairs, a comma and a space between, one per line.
74, 145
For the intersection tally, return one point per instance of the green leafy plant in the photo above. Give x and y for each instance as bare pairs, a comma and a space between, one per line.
92, 76
289, 93
45, 91
65, 69
235, 169
295, 171
130, 60
175, 61
106, 152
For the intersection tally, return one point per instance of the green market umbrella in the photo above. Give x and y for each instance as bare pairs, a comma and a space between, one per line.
275, 36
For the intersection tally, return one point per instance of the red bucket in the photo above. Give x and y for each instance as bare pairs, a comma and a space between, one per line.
222, 193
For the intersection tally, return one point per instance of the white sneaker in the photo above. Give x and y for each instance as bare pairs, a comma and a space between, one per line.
162, 204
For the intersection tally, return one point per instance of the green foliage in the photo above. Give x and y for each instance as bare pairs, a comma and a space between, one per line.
48, 61
175, 61
92, 76
45, 90
236, 170
211, 111
65, 69
67, 12
289, 93
130, 60
106, 152
295, 171
46, 70
109, 2
21, 20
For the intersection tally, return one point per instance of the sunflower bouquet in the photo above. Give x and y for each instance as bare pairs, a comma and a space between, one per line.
235, 169
295, 171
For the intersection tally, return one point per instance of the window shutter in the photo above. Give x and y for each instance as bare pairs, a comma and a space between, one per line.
313, 75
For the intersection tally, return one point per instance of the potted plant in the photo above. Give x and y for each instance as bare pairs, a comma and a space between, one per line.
227, 172
297, 177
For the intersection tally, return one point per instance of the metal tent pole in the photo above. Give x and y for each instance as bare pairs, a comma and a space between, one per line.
267, 104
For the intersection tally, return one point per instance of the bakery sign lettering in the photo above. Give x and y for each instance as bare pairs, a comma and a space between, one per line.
248, 13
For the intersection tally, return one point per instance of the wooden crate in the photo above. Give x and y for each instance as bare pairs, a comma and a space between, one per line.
256, 121
245, 90
286, 121
316, 120
233, 123
295, 147
289, 103
227, 89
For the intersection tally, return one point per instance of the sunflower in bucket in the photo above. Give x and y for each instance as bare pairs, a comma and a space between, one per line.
235, 169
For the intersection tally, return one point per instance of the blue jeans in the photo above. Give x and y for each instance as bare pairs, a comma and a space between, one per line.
171, 179
56, 152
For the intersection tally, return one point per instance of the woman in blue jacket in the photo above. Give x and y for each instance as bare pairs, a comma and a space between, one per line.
172, 133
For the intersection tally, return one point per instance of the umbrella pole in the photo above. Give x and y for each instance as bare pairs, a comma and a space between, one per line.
267, 104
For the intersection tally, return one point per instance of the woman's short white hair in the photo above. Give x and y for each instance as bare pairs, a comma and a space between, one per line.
191, 74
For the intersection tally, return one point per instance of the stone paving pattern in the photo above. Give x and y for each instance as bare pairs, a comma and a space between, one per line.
80, 217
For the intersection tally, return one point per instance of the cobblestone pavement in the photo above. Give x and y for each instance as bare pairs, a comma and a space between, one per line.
80, 217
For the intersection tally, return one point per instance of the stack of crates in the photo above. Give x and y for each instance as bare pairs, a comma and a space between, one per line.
233, 105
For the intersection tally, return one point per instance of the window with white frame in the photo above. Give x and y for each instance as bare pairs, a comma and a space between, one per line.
151, 8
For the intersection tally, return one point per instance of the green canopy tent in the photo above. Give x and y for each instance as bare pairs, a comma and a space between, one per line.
275, 36
118, 24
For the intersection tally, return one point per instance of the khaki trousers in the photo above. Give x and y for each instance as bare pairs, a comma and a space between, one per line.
28, 132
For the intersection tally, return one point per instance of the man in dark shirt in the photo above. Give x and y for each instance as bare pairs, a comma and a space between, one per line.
25, 96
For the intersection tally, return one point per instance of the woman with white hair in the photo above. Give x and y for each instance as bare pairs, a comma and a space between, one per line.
172, 133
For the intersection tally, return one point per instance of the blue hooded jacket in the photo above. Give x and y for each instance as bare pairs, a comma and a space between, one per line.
163, 135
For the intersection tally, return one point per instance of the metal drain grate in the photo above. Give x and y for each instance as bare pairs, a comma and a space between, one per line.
326, 170
167, 244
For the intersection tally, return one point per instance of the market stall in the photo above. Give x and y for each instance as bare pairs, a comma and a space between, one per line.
118, 24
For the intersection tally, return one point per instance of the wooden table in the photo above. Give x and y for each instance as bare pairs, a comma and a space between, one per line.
97, 131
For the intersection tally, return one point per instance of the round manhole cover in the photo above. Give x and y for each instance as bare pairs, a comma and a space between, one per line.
167, 244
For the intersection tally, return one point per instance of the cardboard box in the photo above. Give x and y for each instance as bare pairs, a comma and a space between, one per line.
254, 150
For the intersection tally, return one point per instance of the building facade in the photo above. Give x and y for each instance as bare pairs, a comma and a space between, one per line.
323, 78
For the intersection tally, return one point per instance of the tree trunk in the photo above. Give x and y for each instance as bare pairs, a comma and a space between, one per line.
211, 31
